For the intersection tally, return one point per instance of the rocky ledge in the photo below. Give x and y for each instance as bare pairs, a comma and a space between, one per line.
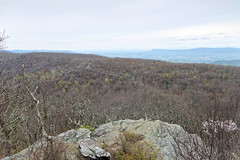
105, 141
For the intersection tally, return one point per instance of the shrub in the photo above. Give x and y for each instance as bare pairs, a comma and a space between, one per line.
135, 147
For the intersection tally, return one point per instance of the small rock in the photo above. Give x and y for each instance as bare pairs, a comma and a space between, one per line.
91, 149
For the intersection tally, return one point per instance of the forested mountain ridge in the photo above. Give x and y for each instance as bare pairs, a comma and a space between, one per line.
90, 90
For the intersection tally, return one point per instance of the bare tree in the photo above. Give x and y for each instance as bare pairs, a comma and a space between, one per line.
3, 38
32, 94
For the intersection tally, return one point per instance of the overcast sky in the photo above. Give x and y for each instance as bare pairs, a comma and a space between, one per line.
120, 24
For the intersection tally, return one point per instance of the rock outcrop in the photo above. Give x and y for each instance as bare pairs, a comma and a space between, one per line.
70, 145
171, 139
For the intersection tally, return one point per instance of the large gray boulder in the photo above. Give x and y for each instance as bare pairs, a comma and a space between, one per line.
172, 139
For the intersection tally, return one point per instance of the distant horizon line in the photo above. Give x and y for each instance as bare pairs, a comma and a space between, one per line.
65, 50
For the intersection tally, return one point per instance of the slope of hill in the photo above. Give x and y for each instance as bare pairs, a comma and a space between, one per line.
87, 90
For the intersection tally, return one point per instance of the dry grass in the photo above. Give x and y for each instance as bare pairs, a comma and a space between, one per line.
135, 147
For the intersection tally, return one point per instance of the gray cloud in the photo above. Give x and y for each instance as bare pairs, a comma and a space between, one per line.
38, 23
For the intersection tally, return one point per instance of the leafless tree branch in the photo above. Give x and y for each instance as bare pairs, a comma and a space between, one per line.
32, 94
3, 38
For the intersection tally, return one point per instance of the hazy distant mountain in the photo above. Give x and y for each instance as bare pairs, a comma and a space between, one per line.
30, 51
5, 51
228, 63
197, 55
